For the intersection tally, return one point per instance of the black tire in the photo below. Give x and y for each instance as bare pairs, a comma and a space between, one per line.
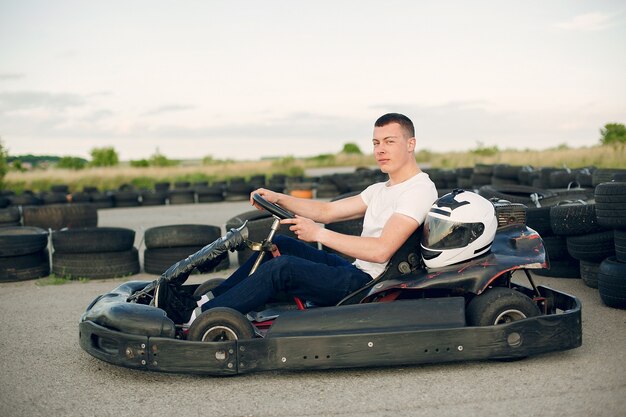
207, 286
96, 265
20, 240
505, 171
25, 267
592, 247
574, 219
93, 240
478, 180
80, 198
556, 248
611, 204
102, 200
182, 196
220, 324
181, 235
620, 245
483, 169
589, 273
210, 198
538, 219
515, 193
153, 198
211, 194
158, 260
58, 216
600, 176
54, 198
561, 269
127, 198
238, 191
561, 179
161, 186
25, 200
610, 193
499, 306
612, 283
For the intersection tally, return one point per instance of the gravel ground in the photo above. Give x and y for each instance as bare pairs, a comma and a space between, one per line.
44, 372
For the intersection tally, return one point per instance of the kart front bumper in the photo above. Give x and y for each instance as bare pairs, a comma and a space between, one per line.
560, 330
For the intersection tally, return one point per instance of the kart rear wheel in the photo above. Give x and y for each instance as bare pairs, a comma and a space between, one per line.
220, 324
500, 306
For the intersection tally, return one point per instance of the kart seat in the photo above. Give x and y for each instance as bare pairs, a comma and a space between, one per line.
406, 260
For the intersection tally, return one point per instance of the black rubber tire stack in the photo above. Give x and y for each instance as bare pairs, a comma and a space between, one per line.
59, 216
10, 216
237, 190
504, 174
102, 200
166, 245
153, 198
481, 175
181, 196
25, 199
575, 229
464, 178
126, 197
600, 176
94, 252
611, 213
23, 253
210, 193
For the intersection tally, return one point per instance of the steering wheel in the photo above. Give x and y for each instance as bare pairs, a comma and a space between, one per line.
274, 209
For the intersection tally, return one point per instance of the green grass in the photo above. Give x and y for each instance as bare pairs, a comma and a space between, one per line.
53, 279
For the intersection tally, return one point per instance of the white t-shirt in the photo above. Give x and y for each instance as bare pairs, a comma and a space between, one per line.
412, 198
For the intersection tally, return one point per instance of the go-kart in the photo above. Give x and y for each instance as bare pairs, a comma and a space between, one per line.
408, 315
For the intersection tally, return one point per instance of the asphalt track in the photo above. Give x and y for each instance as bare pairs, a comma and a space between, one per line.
44, 372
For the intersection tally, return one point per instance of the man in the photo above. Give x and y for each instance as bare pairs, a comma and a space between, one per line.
392, 211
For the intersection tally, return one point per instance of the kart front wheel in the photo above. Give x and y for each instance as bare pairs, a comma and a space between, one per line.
500, 306
207, 286
220, 324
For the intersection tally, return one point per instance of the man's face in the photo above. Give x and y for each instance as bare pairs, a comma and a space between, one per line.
392, 148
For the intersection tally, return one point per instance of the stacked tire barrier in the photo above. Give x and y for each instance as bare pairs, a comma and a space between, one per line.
59, 216
586, 242
166, 245
23, 253
94, 252
611, 213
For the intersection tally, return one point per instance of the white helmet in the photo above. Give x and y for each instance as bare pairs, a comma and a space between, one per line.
459, 226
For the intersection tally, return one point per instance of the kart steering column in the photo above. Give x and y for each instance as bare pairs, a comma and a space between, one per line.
266, 245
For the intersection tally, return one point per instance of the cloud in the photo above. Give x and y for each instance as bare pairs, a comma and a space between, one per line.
27, 100
168, 109
588, 22
11, 76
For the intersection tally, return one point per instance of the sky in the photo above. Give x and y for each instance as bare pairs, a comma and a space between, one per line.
251, 79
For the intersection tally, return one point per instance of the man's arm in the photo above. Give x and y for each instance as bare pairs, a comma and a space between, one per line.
319, 211
372, 249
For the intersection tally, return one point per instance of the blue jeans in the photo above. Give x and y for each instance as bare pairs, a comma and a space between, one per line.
301, 271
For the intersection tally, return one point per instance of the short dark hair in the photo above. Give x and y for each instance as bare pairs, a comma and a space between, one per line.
404, 122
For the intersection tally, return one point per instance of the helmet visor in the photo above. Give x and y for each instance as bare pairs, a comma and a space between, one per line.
445, 234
